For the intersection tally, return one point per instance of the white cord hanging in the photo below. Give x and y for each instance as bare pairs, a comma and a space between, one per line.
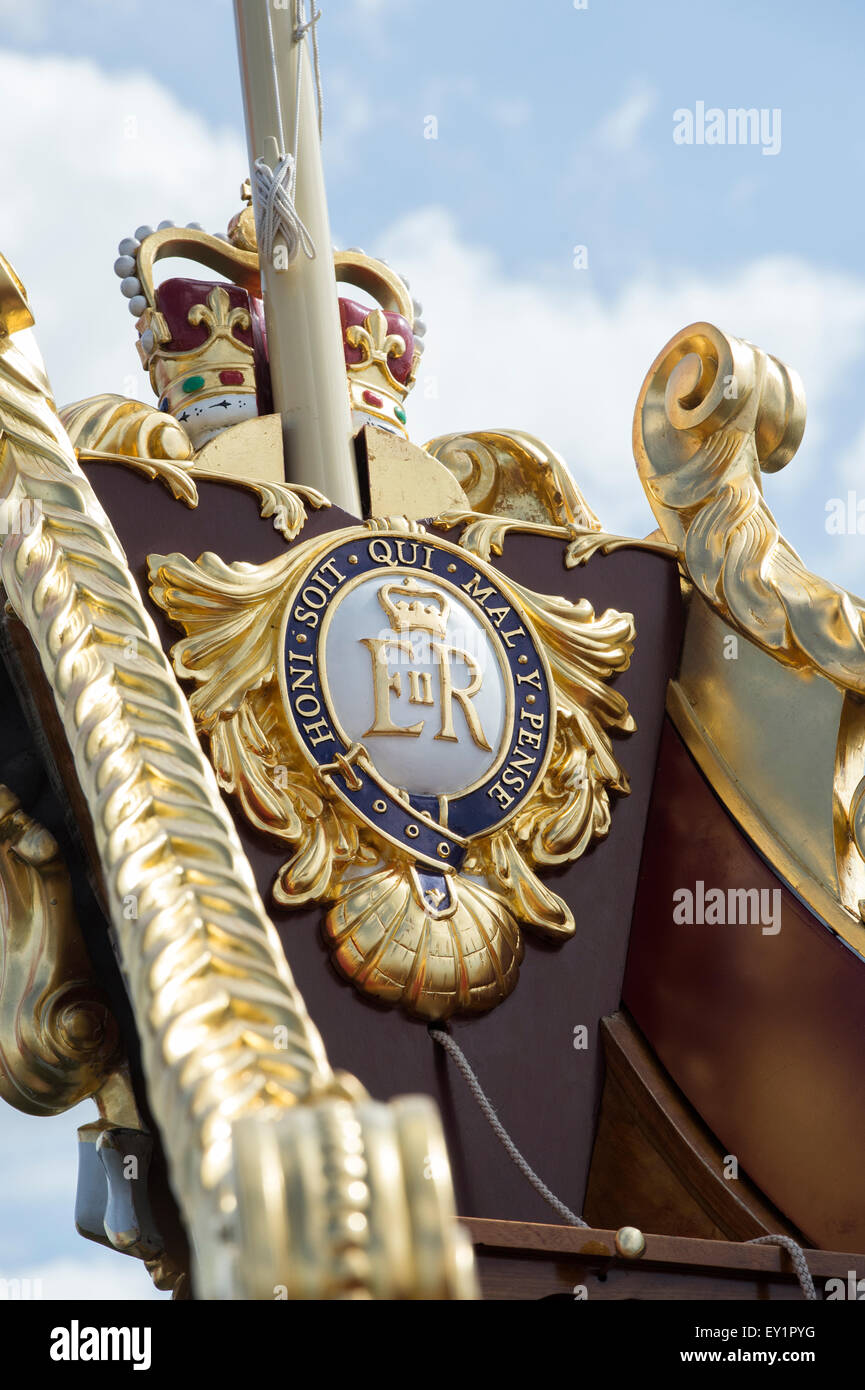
276, 215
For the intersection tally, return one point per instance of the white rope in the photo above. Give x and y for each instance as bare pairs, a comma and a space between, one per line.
797, 1256
274, 189
276, 214
446, 1041
304, 27
795, 1251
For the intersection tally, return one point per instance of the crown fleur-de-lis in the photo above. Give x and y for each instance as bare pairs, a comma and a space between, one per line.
218, 316
374, 341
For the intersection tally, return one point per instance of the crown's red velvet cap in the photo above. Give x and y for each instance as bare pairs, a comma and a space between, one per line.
175, 298
352, 314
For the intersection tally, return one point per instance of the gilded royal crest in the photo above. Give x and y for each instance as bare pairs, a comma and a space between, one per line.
421, 731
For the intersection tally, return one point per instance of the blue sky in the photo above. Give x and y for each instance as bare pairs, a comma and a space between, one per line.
554, 129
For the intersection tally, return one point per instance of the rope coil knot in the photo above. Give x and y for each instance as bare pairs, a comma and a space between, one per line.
276, 214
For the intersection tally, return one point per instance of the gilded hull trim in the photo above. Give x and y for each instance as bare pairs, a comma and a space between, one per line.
715, 412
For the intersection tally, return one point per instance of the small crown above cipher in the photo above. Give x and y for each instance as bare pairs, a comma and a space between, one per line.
410, 607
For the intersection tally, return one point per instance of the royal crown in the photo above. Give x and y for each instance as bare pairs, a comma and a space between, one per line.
409, 607
204, 343
383, 345
198, 346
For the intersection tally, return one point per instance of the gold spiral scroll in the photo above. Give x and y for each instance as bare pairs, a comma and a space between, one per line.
713, 413
225, 1034
59, 1042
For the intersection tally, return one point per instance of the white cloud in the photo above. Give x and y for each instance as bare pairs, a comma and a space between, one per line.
511, 113
99, 1274
851, 470
349, 117
30, 20
39, 1153
560, 360
93, 157
620, 129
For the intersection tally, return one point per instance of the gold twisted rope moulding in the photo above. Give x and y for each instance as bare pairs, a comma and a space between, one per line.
227, 1043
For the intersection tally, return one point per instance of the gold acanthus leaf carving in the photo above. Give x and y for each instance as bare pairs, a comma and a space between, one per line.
583, 652
381, 937
516, 482
484, 536
113, 429
713, 413
231, 615
117, 425
59, 1041
509, 473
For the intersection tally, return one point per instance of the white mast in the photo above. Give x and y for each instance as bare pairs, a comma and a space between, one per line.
300, 300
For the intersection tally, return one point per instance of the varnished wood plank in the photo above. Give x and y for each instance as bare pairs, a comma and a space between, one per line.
507, 1276
655, 1164
539, 1239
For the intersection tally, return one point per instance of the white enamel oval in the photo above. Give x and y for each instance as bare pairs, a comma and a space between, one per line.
362, 631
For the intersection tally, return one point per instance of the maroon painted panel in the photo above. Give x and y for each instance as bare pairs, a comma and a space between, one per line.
765, 1033
546, 1092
